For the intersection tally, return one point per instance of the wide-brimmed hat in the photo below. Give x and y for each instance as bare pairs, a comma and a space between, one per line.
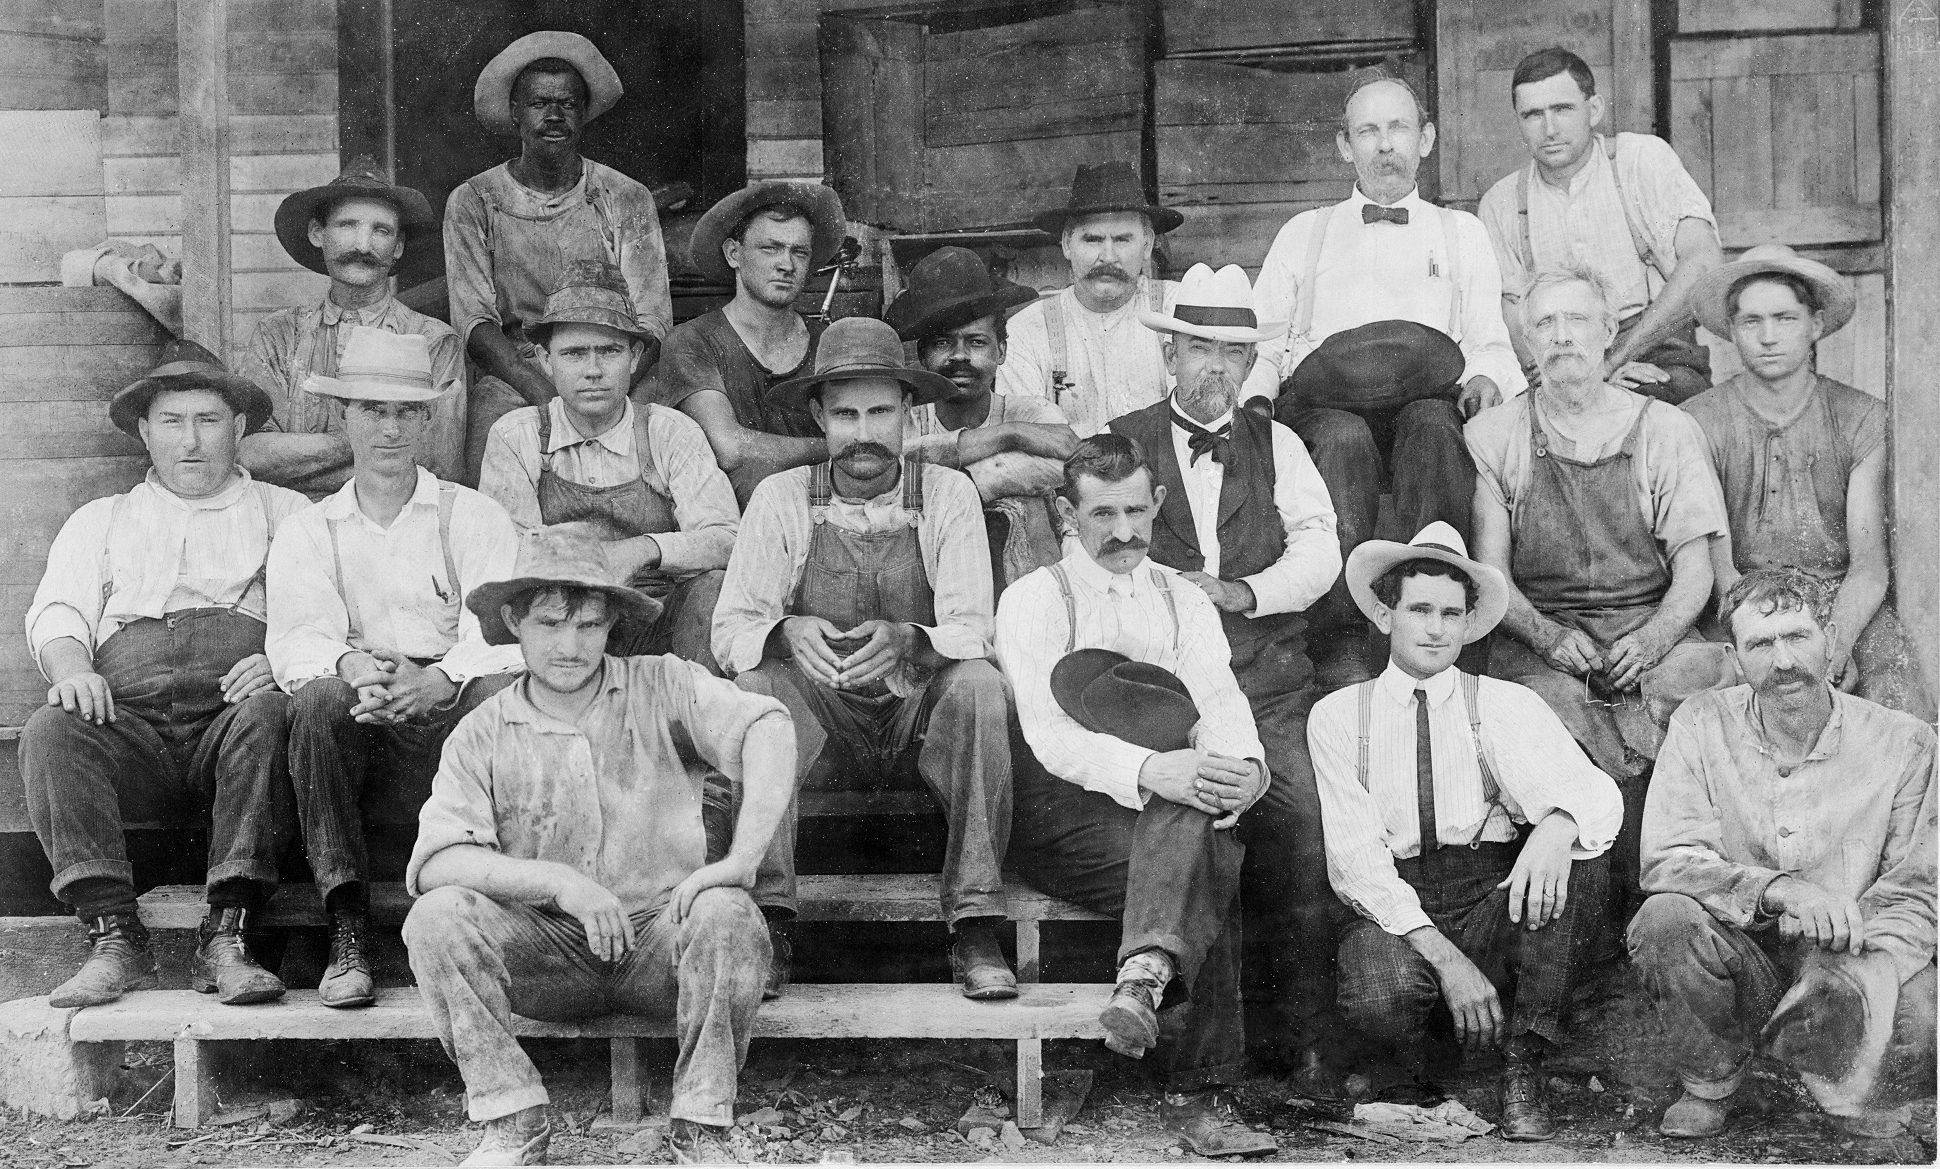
1143, 704
380, 366
1379, 365
821, 204
362, 179
561, 556
188, 366
1836, 296
1437, 541
1216, 305
1102, 189
948, 289
861, 347
492, 95
595, 293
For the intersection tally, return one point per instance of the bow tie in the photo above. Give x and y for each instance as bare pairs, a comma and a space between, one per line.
1375, 213
1202, 442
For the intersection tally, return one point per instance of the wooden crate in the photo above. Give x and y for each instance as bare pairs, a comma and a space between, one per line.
1783, 133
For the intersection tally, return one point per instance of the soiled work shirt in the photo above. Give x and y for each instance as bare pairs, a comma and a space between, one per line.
615, 796
1856, 818
1116, 364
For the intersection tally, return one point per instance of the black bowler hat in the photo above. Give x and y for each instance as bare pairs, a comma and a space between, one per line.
1143, 704
1377, 366
948, 289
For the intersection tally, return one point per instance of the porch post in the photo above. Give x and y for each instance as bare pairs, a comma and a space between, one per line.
202, 34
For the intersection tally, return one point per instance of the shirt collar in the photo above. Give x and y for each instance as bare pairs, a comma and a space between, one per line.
343, 504
1400, 686
1141, 298
617, 438
1412, 201
1080, 565
229, 496
1829, 735
523, 711
334, 313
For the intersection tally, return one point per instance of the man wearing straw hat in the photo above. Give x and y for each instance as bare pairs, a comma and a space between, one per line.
1424, 760
1803, 462
562, 869
643, 475
366, 632
513, 232
360, 229
148, 623
859, 595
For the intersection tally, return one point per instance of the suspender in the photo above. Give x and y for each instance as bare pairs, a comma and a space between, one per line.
1451, 244
114, 521
1063, 578
821, 490
1060, 347
1303, 314
641, 452
447, 500
1471, 686
1646, 251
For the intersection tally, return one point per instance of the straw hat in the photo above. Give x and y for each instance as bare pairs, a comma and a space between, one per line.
1437, 541
188, 366
1836, 296
492, 95
380, 366
1215, 305
560, 556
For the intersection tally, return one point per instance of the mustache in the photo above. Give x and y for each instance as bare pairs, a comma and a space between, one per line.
957, 368
361, 257
1108, 269
1781, 676
1114, 544
857, 449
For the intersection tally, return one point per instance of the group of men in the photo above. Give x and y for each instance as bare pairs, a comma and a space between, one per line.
1204, 541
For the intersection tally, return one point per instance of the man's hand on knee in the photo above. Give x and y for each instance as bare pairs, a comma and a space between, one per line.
1470, 996
1478, 394
247, 677
85, 695
730, 872
1176, 776
609, 932
1815, 914
1538, 885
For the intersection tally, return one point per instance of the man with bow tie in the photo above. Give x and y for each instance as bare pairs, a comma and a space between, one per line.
1245, 516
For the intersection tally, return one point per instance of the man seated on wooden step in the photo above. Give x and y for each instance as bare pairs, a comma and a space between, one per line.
1428, 753
1246, 519
561, 865
359, 229
1803, 462
1013, 447
1623, 206
642, 475
366, 630
1786, 802
149, 623
1080, 348
1125, 691
512, 233
859, 595
764, 242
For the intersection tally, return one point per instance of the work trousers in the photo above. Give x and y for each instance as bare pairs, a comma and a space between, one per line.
956, 727
334, 760
1717, 987
1173, 884
684, 628
478, 962
1388, 990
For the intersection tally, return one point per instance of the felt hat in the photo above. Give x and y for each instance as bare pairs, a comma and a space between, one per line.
492, 95
1143, 704
1836, 296
1380, 364
948, 289
821, 204
560, 556
362, 179
1216, 305
380, 366
1101, 189
1437, 541
594, 294
188, 366
861, 347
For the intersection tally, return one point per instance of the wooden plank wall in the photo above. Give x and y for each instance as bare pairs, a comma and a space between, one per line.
1193, 26
1761, 15
50, 191
784, 90
51, 56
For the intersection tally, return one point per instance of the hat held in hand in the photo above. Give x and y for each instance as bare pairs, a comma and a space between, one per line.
1143, 704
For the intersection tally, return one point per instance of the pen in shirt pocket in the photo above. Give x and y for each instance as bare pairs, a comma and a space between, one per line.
1434, 269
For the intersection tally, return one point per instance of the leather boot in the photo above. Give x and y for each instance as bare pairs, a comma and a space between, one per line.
978, 961
693, 1143
1313, 1077
222, 965
1131, 1017
118, 961
1209, 1123
1525, 1092
781, 967
518, 1139
346, 980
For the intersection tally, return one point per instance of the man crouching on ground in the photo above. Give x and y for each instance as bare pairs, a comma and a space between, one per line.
561, 862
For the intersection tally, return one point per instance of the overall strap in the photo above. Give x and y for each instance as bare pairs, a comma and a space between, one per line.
1303, 311
1452, 243
821, 488
1491, 789
1632, 215
545, 438
447, 501
913, 489
1060, 349
1364, 701
1633, 438
1171, 605
642, 445
1063, 578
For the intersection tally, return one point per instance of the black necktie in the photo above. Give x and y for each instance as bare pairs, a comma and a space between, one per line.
1375, 213
1425, 776
1217, 443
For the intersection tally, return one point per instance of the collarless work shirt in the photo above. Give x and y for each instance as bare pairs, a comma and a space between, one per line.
1116, 364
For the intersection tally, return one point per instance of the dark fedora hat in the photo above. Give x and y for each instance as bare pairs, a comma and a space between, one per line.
949, 288
861, 347
1143, 704
1377, 366
362, 179
188, 366
821, 204
1107, 187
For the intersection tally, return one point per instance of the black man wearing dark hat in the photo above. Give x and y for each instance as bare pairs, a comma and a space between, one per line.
149, 624
513, 232
1013, 447
764, 242
859, 595
361, 230
1143, 758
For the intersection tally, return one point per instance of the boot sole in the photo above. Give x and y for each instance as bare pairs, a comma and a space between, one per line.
1261, 1150
1130, 1028
149, 981
349, 1004
202, 985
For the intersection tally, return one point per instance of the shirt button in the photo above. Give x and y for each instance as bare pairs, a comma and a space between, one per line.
1784, 772
1784, 831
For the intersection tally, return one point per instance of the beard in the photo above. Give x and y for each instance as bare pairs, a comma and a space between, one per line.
1209, 396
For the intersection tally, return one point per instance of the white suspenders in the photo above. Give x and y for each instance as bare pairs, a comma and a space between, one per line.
447, 500
1303, 313
1060, 345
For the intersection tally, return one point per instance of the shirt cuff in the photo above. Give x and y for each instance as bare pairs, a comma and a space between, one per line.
1404, 921
468, 660
956, 642
749, 647
1272, 594
1115, 773
687, 552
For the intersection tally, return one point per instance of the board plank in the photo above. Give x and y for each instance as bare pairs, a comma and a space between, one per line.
1763, 15
1239, 234
1832, 176
1741, 137
1853, 52
1079, 73
123, 134
50, 152
1281, 152
281, 51
157, 92
36, 229
1692, 117
1008, 182
92, 373
53, 18
1202, 25
1799, 226
155, 19
1795, 115
784, 119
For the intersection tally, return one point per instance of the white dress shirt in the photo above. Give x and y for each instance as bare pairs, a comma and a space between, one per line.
1385, 272
684, 469
395, 579
1126, 612
1116, 365
1538, 765
156, 553
1306, 570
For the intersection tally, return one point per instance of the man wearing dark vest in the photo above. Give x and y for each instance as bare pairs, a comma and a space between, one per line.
642, 475
1246, 518
859, 594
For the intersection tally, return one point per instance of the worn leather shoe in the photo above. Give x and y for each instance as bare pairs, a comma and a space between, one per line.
1693, 1117
118, 961
222, 965
1525, 1102
1314, 1078
1209, 1123
347, 979
694, 1143
518, 1139
978, 961
781, 967
1131, 1018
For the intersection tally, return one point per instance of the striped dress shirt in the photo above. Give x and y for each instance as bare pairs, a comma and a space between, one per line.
1116, 363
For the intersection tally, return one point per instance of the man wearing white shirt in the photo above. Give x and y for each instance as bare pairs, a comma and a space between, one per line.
367, 630
1426, 752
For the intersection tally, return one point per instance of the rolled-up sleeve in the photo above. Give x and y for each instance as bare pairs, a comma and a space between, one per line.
704, 505
445, 446
1541, 768
509, 474
469, 284
956, 553
768, 555
459, 810
717, 715
643, 260
1360, 865
1683, 849
68, 601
